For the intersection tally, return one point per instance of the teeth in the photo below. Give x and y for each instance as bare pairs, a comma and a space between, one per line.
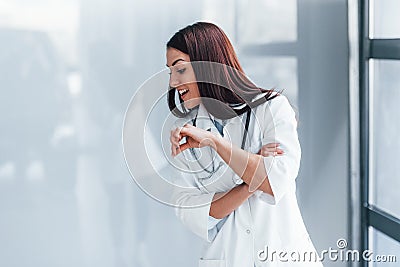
181, 92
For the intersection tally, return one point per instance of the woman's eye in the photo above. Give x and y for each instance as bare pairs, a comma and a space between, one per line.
181, 71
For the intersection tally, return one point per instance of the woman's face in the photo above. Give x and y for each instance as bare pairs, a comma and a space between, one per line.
182, 77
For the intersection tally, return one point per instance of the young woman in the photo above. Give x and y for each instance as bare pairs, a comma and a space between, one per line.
239, 153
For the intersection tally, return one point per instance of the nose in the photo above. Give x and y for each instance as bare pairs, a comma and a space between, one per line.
173, 80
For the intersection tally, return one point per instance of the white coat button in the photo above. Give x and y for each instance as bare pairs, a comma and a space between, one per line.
248, 231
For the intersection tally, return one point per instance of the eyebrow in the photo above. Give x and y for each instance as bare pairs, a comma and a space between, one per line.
176, 61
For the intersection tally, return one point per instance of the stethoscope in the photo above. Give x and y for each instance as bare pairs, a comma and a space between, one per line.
214, 169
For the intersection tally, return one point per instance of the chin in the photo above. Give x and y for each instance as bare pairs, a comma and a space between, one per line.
188, 106
191, 103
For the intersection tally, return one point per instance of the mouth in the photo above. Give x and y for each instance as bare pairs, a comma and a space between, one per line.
183, 92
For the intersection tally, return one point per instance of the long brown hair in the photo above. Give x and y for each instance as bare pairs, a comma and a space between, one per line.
206, 42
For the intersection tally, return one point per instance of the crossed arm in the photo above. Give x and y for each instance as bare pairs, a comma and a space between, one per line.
248, 166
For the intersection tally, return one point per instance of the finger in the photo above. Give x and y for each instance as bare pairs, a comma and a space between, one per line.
266, 154
272, 149
184, 131
175, 150
270, 152
174, 141
183, 147
172, 135
266, 150
176, 134
175, 137
272, 145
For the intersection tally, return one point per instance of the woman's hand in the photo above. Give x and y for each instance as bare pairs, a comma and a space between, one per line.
270, 150
195, 138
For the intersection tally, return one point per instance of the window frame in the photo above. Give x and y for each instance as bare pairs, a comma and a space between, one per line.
370, 215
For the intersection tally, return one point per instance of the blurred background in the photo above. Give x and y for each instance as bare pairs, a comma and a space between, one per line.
68, 69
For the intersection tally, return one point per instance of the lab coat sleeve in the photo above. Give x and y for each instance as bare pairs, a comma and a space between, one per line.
280, 125
192, 207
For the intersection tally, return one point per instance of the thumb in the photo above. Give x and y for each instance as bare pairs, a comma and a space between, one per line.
184, 146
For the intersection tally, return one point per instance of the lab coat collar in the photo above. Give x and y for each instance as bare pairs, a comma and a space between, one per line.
203, 113
203, 120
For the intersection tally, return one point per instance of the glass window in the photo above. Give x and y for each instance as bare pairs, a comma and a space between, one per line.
384, 19
384, 135
266, 21
386, 251
212, 10
273, 72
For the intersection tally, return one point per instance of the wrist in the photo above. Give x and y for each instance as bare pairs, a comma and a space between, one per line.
246, 189
215, 140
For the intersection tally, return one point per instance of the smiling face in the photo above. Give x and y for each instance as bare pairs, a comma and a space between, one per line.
182, 77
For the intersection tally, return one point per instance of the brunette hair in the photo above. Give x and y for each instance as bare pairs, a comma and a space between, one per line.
227, 83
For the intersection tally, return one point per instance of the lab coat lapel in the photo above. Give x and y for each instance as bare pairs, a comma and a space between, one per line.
204, 156
203, 120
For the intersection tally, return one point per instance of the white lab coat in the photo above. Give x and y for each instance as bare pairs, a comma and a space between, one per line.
262, 224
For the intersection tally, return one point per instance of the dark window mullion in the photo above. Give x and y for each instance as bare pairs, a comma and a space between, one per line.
384, 48
384, 222
364, 122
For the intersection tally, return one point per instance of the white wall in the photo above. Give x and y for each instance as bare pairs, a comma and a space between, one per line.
324, 122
